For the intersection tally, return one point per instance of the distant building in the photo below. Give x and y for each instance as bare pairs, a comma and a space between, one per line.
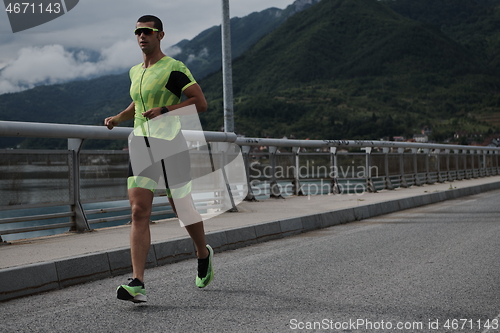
493, 141
422, 138
460, 134
426, 131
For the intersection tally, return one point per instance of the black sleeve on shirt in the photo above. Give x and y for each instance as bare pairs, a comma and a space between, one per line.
176, 82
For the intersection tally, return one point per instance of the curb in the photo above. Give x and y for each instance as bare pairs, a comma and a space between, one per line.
52, 275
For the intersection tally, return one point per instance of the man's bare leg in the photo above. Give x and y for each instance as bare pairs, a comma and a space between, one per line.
197, 233
141, 201
196, 230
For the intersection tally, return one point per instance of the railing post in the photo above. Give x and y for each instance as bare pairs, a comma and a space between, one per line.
440, 178
79, 220
297, 188
415, 167
403, 182
491, 154
479, 168
473, 157
448, 173
479, 162
490, 158
465, 154
456, 153
223, 148
388, 183
370, 187
485, 165
428, 179
246, 159
334, 166
274, 189
494, 162
497, 162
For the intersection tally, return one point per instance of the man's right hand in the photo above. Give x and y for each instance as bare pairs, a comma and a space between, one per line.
110, 122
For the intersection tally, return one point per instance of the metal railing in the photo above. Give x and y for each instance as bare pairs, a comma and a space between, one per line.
274, 167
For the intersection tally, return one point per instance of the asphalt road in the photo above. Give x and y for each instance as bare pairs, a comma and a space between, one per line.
417, 270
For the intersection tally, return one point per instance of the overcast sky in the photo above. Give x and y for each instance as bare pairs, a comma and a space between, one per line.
52, 52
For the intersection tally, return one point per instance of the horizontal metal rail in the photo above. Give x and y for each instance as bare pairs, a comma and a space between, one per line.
50, 130
128, 216
36, 217
63, 131
37, 228
356, 143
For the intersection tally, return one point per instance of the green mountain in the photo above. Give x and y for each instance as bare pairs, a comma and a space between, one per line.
79, 102
203, 54
357, 69
472, 23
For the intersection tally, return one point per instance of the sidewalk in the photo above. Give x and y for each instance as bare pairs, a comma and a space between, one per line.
36, 265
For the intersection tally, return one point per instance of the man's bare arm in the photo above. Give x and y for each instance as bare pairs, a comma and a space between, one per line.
194, 96
125, 115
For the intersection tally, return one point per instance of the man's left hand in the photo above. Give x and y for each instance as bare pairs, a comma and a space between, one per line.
152, 113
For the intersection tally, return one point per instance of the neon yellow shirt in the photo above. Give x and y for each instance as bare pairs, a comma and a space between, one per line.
159, 85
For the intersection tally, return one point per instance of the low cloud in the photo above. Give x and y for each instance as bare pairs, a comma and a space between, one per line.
53, 64
172, 51
202, 55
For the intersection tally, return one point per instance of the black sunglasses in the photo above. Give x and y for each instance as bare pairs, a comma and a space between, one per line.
145, 30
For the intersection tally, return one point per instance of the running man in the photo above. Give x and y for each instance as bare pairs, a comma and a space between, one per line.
156, 88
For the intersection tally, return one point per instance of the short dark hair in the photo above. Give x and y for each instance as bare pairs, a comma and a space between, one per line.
157, 24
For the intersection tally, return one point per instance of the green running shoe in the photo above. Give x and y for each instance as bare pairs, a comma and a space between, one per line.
205, 269
135, 291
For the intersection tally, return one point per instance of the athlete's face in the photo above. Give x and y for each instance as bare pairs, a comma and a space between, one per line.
149, 42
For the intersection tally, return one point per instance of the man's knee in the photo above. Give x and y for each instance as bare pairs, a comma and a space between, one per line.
140, 211
141, 201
